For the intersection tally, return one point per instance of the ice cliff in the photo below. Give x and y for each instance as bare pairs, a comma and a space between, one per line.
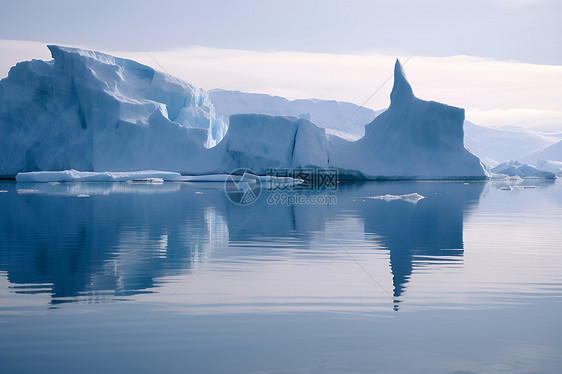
90, 111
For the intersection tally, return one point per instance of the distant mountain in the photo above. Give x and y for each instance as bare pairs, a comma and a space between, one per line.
495, 146
330, 114
551, 152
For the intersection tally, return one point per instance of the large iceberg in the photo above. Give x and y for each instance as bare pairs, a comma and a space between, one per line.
93, 112
90, 111
413, 139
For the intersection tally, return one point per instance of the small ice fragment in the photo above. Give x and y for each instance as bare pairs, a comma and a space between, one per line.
27, 191
411, 197
82, 195
1, 191
199, 193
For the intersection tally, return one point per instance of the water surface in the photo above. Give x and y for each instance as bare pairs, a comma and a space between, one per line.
118, 277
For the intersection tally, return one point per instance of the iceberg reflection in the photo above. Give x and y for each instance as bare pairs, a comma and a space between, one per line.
126, 239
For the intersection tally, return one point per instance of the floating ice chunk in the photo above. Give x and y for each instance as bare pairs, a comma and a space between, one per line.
511, 188
26, 191
203, 178
87, 176
2, 191
411, 197
221, 178
147, 180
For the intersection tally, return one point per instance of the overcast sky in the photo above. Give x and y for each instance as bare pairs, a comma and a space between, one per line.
326, 49
523, 30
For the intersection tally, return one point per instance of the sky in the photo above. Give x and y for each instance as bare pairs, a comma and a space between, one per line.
499, 59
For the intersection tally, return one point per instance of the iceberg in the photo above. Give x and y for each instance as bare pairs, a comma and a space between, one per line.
91, 111
519, 169
261, 143
412, 139
96, 113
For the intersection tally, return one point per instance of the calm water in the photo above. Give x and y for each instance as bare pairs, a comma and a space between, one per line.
176, 278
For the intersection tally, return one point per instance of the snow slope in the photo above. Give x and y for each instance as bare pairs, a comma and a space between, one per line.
90, 111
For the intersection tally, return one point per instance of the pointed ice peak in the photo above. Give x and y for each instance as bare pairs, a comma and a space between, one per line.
402, 90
